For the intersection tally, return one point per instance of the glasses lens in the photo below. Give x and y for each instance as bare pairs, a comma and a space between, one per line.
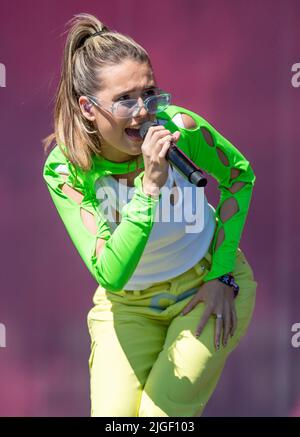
153, 104
125, 108
158, 103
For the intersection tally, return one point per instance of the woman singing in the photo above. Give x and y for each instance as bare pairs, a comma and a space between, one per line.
175, 292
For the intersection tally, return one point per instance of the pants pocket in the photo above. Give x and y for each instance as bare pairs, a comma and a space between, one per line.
202, 266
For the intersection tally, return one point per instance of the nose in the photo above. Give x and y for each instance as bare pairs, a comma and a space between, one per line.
141, 109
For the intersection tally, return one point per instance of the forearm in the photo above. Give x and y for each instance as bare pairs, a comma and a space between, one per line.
218, 157
122, 252
231, 217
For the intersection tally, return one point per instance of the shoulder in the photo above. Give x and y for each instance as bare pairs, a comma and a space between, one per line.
55, 159
191, 124
183, 118
57, 169
55, 164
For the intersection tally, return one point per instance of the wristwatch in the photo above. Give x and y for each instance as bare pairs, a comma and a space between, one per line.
229, 280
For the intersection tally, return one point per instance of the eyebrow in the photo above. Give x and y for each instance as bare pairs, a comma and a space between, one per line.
133, 89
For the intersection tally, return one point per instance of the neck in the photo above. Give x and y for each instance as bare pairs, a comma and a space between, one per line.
117, 156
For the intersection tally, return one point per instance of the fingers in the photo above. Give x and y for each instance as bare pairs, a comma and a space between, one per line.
159, 141
227, 323
161, 133
204, 319
153, 137
192, 303
153, 130
166, 144
225, 317
218, 329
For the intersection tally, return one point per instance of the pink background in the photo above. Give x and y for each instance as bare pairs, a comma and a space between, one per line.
229, 61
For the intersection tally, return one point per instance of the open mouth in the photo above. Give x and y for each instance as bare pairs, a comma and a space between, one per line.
133, 133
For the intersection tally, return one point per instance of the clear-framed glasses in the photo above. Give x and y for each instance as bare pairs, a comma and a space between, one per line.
131, 107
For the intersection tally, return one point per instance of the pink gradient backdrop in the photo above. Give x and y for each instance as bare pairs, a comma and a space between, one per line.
230, 61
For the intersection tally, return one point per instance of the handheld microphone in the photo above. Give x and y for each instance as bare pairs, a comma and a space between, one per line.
179, 159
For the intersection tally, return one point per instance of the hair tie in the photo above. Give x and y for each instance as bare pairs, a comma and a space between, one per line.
100, 32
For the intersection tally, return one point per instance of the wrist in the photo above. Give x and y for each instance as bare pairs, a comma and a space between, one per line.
144, 194
228, 279
150, 189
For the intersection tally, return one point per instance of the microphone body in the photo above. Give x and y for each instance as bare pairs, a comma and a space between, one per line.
179, 159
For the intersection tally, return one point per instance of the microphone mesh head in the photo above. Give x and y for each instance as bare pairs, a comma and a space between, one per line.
145, 126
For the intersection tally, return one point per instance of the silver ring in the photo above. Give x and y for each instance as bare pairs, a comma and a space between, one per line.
219, 316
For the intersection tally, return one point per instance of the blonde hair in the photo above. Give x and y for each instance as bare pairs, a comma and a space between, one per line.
82, 61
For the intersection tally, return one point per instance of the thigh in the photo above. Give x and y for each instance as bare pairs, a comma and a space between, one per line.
187, 371
123, 351
245, 301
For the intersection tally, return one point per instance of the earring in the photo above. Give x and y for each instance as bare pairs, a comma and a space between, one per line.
87, 107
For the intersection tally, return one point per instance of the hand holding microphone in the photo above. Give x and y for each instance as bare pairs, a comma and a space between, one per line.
154, 148
160, 144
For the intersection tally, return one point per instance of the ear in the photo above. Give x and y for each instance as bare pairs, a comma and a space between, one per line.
86, 108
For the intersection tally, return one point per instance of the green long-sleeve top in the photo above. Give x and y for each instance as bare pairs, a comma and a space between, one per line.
123, 247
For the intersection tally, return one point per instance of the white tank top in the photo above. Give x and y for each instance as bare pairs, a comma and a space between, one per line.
181, 233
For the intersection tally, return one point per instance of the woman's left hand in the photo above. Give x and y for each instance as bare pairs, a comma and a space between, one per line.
219, 300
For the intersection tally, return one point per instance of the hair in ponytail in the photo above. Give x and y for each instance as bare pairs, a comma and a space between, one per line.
83, 59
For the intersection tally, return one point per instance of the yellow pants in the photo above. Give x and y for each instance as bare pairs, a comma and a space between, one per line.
145, 359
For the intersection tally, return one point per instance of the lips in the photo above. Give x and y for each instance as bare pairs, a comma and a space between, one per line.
134, 127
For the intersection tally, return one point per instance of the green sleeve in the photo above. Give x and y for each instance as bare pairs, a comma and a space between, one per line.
124, 247
202, 144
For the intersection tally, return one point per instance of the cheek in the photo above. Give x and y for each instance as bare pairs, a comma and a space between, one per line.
111, 130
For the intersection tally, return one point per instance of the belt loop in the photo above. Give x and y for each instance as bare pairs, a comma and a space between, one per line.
208, 257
